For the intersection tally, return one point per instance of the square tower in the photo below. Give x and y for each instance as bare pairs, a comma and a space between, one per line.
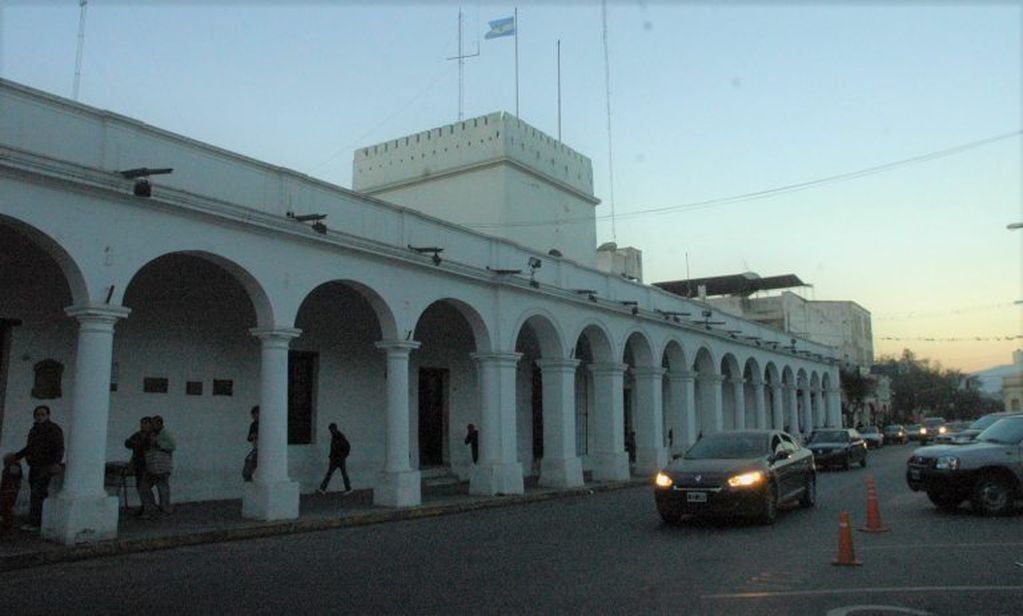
494, 174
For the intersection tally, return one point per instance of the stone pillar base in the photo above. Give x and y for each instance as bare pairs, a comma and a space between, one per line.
492, 479
270, 501
80, 520
403, 489
561, 473
649, 461
610, 466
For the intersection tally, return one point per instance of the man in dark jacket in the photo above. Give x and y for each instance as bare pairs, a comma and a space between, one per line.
44, 452
339, 450
138, 443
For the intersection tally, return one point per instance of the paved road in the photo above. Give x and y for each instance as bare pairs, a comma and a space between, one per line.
605, 553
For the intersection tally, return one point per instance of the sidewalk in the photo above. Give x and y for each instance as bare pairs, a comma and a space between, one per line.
216, 521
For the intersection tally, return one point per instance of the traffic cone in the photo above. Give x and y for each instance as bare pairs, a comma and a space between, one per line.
846, 554
873, 511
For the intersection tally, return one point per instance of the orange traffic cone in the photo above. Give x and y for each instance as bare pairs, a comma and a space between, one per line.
846, 554
873, 511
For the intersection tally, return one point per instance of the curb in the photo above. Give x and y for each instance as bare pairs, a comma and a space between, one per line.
117, 547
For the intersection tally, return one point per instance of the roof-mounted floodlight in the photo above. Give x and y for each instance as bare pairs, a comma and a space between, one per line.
142, 187
503, 271
428, 250
317, 220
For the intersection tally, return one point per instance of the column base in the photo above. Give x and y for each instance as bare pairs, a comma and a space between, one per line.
561, 473
73, 521
649, 461
610, 466
404, 489
270, 501
492, 479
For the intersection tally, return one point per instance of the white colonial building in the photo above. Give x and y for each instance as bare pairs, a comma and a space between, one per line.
218, 287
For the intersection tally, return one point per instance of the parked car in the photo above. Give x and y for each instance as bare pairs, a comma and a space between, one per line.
742, 473
988, 471
931, 427
970, 433
952, 428
837, 447
896, 433
872, 436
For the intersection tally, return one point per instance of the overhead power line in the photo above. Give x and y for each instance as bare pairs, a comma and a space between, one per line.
961, 339
776, 191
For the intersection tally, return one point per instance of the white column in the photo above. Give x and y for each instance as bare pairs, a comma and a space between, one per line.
271, 495
777, 415
499, 471
675, 406
760, 404
399, 485
83, 512
807, 410
560, 466
715, 382
609, 459
688, 379
834, 398
651, 454
739, 406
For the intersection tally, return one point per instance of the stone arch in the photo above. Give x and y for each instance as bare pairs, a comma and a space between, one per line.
548, 332
676, 397
478, 327
816, 401
706, 393
257, 295
773, 394
752, 392
598, 339
384, 314
733, 412
74, 278
538, 422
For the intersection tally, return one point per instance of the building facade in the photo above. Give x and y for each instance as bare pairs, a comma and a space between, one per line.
229, 283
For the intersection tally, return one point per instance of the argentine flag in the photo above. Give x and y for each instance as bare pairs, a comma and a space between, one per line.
501, 27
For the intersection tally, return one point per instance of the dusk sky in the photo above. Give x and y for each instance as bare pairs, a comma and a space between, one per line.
738, 129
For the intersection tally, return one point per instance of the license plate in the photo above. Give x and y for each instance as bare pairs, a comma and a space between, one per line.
696, 497
914, 473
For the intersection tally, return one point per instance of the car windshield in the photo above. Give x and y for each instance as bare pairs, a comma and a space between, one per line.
933, 423
984, 422
892, 428
1004, 432
728, 446
830, 436
868, 430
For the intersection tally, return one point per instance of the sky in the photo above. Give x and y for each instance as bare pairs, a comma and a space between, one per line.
738, 130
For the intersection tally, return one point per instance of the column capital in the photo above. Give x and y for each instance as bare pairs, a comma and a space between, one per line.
557, 364
283, 334
735, 380
832, 390
681, 375
398, 346
711, 378
607, 368
496, 357
97, 312
788, 387
647, 372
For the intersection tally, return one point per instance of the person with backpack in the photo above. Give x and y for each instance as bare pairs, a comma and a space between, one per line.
339, 450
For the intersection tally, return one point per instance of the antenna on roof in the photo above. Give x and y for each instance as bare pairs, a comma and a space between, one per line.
81, 47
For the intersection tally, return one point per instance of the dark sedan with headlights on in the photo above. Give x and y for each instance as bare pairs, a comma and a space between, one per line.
746, 473
837, 447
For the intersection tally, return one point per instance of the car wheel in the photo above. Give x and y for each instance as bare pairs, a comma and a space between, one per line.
992, 495
809, 497
946, 500
770, 511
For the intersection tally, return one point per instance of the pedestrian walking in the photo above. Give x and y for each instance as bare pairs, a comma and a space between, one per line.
339, 450
139, 443
160, 461
44, 452
472, 439
10, 485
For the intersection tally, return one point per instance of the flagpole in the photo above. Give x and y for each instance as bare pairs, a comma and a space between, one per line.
517, 62
559, 89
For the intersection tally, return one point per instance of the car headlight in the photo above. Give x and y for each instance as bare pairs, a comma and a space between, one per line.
746, 479
942, 430
663, 481
950, 463
923, 430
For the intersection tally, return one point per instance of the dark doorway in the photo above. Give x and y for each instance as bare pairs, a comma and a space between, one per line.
6, 325
301, 385
432, 401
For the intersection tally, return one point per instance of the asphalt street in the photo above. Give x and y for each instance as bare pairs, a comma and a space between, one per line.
603, 553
